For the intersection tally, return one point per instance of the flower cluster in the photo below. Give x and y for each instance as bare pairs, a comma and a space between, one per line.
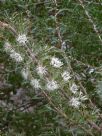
55, 62
41, 70
75, 102
52, 85
16, 56
22, 39
35, 83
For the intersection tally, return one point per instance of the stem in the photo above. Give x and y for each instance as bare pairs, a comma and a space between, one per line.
5, 25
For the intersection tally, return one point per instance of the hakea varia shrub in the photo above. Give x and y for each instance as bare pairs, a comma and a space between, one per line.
48, 70
54, 74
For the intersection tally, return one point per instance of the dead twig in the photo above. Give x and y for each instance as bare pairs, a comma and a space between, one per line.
7, 26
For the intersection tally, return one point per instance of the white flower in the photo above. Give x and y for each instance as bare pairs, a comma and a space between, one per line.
52, 85
74, 88
41, 70
55, 62
75, 102
22, 39
25, 73
35, 83
7, 47
66, 76
16, 56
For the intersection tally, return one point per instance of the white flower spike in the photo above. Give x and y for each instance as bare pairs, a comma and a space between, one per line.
55, 62
52, 85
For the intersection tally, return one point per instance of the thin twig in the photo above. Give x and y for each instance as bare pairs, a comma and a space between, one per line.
5, 25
